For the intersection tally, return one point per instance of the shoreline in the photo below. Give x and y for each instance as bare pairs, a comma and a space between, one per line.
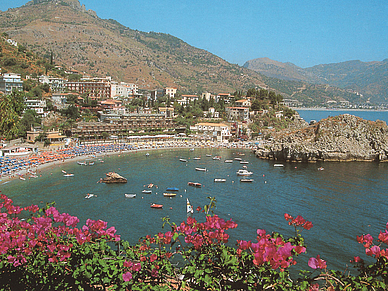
37, 169
335, 109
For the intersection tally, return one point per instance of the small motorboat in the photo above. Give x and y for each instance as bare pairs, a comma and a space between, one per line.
22, 178
196, 158
130, 195
192, 149
246, 180
244, 162
147, 154
68, 175
146, 191
201, 169
208, 155
238, 159
278, 165
89, 195
219, 180
157, 206
217, 158
172, 189
183, 160
64, 172
228, 161
169, 194
195, 184
321, 168
243, 172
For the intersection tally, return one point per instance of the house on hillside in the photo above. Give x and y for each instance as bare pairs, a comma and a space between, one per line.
216, 131
237, 113
10, 82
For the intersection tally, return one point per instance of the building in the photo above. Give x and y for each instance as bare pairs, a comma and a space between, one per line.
237, 113
53, 136
60, 99
97, 88
243, 103
123, 89
10, 82
170, 91
211, 113
37, 105
56, 84
167, 111
186, 99
217, 131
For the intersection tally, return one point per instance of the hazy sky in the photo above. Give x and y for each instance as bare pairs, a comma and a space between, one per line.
303, 32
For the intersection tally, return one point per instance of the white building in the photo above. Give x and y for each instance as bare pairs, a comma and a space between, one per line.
123, 89
186, 99
171, 91
37, 105
56, 84
237, 113
9, 82
218, 131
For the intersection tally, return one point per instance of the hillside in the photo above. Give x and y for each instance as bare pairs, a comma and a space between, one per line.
79, 39
370, 79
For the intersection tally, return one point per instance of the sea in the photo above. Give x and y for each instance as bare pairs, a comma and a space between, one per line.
343, 201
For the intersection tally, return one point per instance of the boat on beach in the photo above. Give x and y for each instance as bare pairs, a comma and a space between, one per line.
195, 184
201, 169
130, 195
219, 180
169, 194
243, 172
157, 206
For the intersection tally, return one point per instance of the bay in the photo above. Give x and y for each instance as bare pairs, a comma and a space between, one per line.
343, 201
318, 114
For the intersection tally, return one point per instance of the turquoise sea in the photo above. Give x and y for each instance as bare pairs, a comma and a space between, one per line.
343, 201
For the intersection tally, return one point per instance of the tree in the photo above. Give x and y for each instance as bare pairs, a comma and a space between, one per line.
256, 105
30, 118
11, 108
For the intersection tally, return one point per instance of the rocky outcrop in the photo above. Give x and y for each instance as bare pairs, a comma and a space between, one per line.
341, 138
113, 177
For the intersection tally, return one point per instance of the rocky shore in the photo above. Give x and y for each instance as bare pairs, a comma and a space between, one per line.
340, 138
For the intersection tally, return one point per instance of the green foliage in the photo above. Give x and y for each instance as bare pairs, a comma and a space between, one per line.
11, 108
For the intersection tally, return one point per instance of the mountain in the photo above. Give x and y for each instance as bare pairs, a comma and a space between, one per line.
367, 78
79, 39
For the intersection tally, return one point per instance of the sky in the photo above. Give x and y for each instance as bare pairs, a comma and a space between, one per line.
303, 32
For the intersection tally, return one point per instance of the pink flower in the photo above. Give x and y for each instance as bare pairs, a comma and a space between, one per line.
153, 257
136, 267
317, 263
127, 276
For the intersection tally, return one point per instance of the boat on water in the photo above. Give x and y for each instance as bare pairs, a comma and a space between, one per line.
130, 195
243, 180
195, 184
228, 161
146, 191
243, 172
90, 164
189, 208
278, 165
64, 172
157, 206
217, 158
238, 159
192, 149
244, 162
201, 169
183, 160
169, 194
81, 163
22, 178
89, 195
219, 180
196, 158
208, 155
172, 189
321, 168
68, 175
147, 154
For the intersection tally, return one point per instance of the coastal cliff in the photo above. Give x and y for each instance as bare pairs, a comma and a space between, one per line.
340, 138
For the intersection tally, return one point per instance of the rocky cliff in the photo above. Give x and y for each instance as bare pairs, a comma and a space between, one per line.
341, 138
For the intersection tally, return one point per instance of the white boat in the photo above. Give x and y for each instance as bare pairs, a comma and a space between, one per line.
64, 172
192, 149
246, 180
219, 180
68, 175
244, 162
130, 195
183, 160
208, 155
189, 208
146, 191
201, 169
243, 172
147, 154
228, 161
278, 165
22, 178
89, 196
196, 158
217, 158
238, 159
